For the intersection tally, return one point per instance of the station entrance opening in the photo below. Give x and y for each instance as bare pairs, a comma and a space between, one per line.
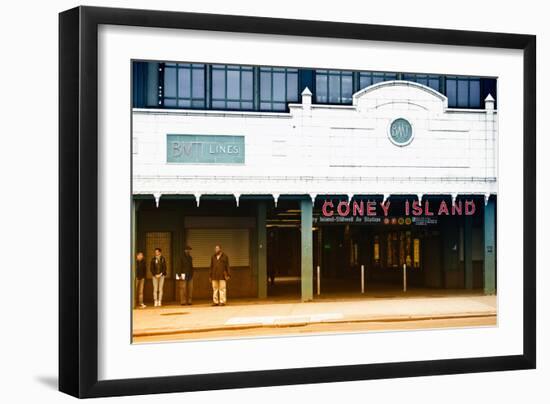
352, 258
284, 249
371, 252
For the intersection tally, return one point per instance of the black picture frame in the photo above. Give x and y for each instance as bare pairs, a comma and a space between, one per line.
78, 196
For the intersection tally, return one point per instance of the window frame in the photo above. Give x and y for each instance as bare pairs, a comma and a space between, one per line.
207, 101
416, 76
469, 80
225, 100
271, 70
334, 73
192, 67
372, 74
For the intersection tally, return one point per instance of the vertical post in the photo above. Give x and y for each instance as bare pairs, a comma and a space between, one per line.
404, 277
152, 95
306, 99
262, 250
320, 245
491, 141
489, 261
450, 252
468, 267
133, 252
318, 280
306, 208
362, 279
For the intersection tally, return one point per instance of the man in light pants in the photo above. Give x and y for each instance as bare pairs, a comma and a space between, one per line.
219, 274
158, 270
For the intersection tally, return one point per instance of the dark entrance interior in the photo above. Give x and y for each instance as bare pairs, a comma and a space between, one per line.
381, 245
284, 249
381, 250
434, 248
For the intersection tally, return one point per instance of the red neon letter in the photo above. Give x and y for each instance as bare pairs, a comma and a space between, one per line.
427, 209
326, 205
371, 208
345, 211
385, 207
417, 208
457, 208
470, 207
358, 207
443, 209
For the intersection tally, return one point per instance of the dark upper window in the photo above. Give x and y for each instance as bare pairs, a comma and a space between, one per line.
429, 80
278, 86
333, 86
463, 92
184, 85
266, 88
232, 87
369, 78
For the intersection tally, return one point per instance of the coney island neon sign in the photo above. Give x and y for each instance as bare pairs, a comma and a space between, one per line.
414, 208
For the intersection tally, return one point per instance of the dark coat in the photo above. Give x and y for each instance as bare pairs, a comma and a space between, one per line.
219, 268
141, 269
186, 266
158, 267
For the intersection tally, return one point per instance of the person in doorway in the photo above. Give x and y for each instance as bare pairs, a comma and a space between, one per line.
158, 270
184, 277
141, 269
219, 275
272, 270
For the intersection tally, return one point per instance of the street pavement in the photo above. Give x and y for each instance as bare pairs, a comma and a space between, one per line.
154, 323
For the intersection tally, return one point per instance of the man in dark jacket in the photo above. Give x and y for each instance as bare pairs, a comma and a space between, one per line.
219, 274
158, 270
141, 269
184, 277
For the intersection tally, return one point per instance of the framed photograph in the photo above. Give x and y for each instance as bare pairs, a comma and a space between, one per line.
264, 201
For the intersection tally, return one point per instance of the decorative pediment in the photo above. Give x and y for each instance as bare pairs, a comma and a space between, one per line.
398, 94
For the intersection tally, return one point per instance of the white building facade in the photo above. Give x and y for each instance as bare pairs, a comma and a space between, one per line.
286, 193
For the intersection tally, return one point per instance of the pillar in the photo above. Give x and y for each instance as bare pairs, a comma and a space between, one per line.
489, 260
320, 246
262, 249
468, 267
306, 207
133, 249
450, 253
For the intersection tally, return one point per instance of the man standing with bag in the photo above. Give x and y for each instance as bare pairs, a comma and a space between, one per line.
184, 277
158, 270
219, 274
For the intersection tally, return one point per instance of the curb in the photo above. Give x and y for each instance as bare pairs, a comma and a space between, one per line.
150, 333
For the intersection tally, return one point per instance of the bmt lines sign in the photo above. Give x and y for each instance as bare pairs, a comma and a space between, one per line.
204, 149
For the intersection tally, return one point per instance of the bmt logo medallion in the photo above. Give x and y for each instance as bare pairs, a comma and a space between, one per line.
400, 132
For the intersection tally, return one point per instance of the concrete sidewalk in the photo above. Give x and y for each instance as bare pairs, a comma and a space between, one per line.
246, 314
